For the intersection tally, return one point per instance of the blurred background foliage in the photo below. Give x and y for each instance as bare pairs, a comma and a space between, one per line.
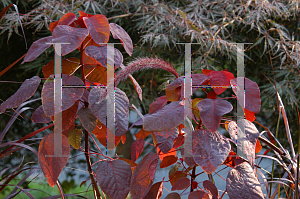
156, 27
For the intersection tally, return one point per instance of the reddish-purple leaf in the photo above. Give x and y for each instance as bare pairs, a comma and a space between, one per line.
211, 112
158, 104
181, 184
209, 149
168, 160
99, 53
119, 33
166, 138
87, 118
69, 95
97, 103
199, 194
143, 176
211, 187
221, 79
39, 116
98, 27
155, 191
68, 66
26, 90
137, 148
188, 158
173, 196
173, 90
242, 183
197, 80
178, 142
251, 100
68, 34
37, 48
114, 177
170, 116
67, 19
52, 166
251, 136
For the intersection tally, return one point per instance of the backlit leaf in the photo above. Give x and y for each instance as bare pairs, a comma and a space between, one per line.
97, 103
69, 95
87, 118
114, 177
142, 134
176, 176
130, 162
168, 160
37, 48
26, 90
211, 95
178, 142
123, 139
242, 183
39, 116
209, 149
258, 146
220, 79
211, 187
67, 19
199, 194
211, 112
163, 155
170, 116
98, 27
119, 33
137, 148
173, 90
252, 94
173, 196
249, 115
96, 74
74, 138
68, 66
158, 104
181, 184
52, 166
143, 176
68, 34
195, 109
166, 138
155, 191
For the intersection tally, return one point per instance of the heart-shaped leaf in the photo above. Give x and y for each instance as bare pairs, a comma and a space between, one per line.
97, 103
26, 90
68, 66
221, 79
166, 138
211, 112
87, 118
74, 138
68, 34
158, 104
143, 176
98, 27
242, 183
119, 33
37, 48
168, 160
173, 196
170, 116
69, 95
39, 116
209, 149
199, 194
137, 148
114, 177
155, 191
251, 90
251, 136
181, 184
211, 187
52, 166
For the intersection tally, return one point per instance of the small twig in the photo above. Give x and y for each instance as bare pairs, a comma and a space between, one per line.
193, 176
60, 190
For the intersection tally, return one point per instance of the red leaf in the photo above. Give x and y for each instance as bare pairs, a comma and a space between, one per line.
211, 111
199, 194
26, 90
173, 196
166, 138
176, 176
206, 71
98, 27
37, 48
123, 138
178, 142
220, 79
197, 80
188, 158
68, 66
206, 143
244, 178
143, 176
252, 93
137, 87
181, 184
137, 148
194, 185
211, 188
113, 177
119, 33
67, 19
258, 146
39, 116
53, 25
211, 95
163, 155
5, 9
96, 73
158, 104
142, 134
69, 95
130, 162
168, 160
68, 34
170, 116
173, 90
87, 119
83, 14
52, 166
99, 53
230, 159
249, 115
155, 191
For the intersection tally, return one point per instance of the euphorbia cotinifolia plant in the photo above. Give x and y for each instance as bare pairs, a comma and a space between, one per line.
118, 177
